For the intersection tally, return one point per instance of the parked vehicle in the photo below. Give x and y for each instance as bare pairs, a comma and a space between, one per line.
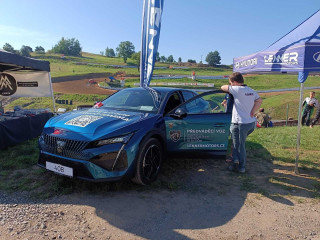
131, 131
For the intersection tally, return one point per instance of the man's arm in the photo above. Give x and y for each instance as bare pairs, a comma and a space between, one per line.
256, 106
225, 88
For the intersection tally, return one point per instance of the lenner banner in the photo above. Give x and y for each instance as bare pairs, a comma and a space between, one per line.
151, 23
25, 84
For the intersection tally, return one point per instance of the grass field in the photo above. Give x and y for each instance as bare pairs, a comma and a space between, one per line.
46, 102
271, 159
69, 66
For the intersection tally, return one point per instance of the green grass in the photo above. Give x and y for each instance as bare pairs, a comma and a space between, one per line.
277, 105
46, 102
271, 159
69, 66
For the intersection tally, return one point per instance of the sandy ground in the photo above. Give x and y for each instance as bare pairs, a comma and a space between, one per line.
161, 215
210, 203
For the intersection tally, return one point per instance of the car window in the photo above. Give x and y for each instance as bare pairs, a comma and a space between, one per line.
211, 103
188, 95
173, 101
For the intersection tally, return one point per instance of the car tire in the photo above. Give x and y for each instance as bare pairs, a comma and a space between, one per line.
149, 162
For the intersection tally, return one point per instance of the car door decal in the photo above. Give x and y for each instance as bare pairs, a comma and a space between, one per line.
175, 135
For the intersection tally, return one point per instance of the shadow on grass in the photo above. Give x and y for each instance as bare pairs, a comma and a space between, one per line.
274, 177
191, 193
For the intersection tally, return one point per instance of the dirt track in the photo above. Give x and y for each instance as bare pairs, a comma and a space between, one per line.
80, 86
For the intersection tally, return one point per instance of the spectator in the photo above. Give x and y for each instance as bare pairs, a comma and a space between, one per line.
315, 120
262, 118
193, 75
309, 104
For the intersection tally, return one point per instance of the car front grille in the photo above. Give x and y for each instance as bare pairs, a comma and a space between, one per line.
64, 147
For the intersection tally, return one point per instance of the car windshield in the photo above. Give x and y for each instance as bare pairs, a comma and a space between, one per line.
134, 99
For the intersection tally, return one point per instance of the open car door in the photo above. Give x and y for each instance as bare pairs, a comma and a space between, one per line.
200, 124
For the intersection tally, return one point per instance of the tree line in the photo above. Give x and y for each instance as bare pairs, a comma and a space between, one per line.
125, 50
24, 50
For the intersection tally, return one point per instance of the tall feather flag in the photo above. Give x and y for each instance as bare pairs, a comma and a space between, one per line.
151, 23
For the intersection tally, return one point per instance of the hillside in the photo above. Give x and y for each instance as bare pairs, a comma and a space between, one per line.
78, 68
94, 63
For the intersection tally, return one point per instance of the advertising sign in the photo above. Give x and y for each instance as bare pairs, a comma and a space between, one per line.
151, 24
26, 84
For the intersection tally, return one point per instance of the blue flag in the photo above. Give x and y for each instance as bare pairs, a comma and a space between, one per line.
151, 23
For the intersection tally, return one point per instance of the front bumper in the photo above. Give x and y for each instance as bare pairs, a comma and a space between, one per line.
82, 169
106, 163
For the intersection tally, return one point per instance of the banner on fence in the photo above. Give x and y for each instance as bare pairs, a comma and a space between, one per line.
178, 84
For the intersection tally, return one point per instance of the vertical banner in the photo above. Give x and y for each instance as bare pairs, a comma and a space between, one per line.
151, 23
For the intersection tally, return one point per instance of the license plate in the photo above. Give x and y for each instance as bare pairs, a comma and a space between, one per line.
59, 169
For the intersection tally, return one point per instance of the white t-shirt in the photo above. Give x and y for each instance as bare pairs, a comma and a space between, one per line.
244, 98
314, 101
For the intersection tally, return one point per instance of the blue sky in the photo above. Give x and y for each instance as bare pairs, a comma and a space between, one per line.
190, 28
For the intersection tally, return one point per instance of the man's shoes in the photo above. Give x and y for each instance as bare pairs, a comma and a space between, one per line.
234, 167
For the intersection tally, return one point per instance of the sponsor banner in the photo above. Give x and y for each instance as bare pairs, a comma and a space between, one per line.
26, 84
288, 60
178, 84
312, 62
151, 24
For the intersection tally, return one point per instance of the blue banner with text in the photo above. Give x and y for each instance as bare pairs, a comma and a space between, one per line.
151, 24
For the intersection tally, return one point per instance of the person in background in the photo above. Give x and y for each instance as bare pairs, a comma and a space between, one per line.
246, 103
262, 118
315, 120
309, 104
193, 75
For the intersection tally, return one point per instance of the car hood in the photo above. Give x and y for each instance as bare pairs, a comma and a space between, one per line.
93, 121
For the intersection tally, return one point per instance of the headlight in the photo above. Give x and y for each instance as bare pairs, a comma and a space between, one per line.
120, 139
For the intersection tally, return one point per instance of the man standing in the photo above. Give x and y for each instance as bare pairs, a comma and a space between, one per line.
246, 103
308, 106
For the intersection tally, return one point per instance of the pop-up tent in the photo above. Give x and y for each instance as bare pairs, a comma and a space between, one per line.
298, 52
24, 77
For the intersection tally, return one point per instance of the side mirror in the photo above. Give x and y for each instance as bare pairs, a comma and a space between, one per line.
179, 113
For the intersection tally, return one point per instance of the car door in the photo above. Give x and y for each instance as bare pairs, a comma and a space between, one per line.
200, 124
